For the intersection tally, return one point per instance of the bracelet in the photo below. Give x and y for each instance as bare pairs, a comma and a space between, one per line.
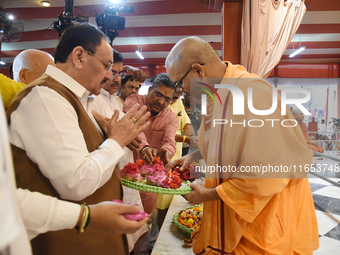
184, 136
85, 220
145, 147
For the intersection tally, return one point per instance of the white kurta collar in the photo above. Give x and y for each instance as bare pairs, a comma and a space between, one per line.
107, 95
70, 83
79, 90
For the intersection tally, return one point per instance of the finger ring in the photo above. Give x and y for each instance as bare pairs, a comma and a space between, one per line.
144, 156
134, 120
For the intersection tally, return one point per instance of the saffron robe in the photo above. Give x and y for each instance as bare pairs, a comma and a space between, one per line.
316, 148
313, 126
254, 215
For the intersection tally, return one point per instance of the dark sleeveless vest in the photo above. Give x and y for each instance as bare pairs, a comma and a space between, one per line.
93, 241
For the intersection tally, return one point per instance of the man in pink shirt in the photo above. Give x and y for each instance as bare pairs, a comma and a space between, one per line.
159, 137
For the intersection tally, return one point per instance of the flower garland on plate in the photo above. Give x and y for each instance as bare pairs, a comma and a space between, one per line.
156, 174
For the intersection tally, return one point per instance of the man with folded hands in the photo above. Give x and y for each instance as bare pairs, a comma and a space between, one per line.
58, 147
104, 106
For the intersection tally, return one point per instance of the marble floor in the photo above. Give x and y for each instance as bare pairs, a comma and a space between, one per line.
327, 207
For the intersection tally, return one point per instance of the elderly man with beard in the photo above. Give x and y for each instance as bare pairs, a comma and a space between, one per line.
59, 148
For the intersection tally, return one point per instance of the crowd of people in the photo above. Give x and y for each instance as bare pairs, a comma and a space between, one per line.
75, 119
316, 137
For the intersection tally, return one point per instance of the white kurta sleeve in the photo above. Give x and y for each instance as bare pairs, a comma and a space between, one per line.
46, 126
43, 213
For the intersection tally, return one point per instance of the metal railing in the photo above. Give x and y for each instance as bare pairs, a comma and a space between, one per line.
321, 176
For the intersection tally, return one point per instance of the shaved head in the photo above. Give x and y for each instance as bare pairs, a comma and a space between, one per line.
296, 111
30, 64
298, 115
188, 51
193, 58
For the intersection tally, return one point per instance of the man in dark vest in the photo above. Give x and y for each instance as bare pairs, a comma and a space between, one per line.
60, 150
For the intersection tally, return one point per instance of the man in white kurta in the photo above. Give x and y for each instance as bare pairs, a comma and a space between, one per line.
50, 131
105, 104
25, 214
61, 156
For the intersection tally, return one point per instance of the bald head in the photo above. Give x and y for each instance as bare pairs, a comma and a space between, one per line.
193, 58
298, 115
188, 51
30, 64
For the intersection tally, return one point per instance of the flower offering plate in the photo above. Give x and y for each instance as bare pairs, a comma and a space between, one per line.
142, 186
186, 230
155, 178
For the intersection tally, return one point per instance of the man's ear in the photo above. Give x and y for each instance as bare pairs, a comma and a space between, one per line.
22, 76
78, 57
199, 70
150, 88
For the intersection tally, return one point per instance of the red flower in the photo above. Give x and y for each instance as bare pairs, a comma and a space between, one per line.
176, 177
186, 175
173, 185
189, 173
157, 160
140, 162
131, 172
175, 180
131, 168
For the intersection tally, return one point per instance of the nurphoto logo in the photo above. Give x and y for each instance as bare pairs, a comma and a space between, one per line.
238, 99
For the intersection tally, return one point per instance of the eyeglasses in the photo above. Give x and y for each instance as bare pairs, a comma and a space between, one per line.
159, 96
122, 75
178, 84
107, 64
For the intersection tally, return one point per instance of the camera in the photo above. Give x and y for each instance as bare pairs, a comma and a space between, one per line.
109, 21
65, 19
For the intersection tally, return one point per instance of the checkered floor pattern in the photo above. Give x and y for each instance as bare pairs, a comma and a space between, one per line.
327, 207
